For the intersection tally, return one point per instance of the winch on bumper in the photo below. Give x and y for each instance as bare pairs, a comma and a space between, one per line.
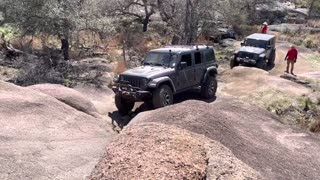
127, 91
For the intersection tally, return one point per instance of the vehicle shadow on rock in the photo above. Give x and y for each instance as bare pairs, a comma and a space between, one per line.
268, 68
119, 121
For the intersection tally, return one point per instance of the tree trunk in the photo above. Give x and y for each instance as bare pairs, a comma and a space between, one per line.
65, 48
311, 8
145, 24
187, 23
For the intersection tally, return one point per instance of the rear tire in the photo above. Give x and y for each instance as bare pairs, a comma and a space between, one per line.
233, 62
209, 88
262, 64
124, 106
162, 97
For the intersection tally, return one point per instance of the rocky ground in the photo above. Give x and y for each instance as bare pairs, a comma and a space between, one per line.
238, 141
258, 128
43, 138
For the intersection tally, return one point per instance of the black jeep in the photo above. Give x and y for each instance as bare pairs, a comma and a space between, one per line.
166, 72
257, 49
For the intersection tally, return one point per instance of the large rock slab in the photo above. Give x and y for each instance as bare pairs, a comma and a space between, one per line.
69, 96
43, 138
245, 81
159, 151
102, 98
252, 134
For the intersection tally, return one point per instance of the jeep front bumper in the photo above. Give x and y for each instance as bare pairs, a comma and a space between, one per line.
129, 92
246, 61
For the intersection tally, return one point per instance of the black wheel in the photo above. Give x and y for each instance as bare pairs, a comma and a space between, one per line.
124, 106
162, 97
209, 88
272, 59
233, 62
262, 64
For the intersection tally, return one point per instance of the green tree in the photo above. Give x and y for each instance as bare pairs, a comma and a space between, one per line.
139, 11
52, 17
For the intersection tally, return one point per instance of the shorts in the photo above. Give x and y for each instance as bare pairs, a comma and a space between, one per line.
291, 61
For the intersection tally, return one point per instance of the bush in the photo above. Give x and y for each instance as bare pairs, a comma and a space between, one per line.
8, 31
312, 41
315, 127
37, 72
245, 30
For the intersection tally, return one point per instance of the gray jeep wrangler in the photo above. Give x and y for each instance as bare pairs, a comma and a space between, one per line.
257, 49
164, 73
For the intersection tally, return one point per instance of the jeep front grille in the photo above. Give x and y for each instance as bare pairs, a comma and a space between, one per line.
246, 55
133, 81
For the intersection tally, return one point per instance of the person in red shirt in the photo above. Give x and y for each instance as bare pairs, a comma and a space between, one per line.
264, 28
291, 58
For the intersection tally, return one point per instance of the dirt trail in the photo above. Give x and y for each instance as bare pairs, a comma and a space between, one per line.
304, 63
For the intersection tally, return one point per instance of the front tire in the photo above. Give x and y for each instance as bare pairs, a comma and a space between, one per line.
233, 62
209, 88
162, 96
262, 64
124, 106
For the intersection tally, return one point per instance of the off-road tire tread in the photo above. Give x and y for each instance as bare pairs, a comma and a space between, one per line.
156, 99
206, 85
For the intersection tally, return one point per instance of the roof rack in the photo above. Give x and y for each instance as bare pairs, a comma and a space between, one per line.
190, 46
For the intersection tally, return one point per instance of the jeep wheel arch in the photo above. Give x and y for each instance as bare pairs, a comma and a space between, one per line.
212, 71
160, 81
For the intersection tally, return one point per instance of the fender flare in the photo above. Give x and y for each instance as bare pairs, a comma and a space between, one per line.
156, 82
211, 71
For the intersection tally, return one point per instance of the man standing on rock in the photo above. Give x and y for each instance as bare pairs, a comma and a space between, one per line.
264, 29
291, 58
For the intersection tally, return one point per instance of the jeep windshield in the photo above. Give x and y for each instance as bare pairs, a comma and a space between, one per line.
256, 43
161, 59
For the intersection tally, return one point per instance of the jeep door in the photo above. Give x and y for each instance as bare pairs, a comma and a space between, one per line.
200, 66
186, 75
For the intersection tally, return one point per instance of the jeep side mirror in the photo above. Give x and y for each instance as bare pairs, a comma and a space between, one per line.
183, 65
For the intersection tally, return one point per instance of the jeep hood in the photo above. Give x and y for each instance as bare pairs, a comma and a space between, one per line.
254, 50
149, 71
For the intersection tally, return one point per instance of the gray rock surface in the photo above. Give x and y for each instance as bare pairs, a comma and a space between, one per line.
157, 151
43, 138
253, 135
69, 96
